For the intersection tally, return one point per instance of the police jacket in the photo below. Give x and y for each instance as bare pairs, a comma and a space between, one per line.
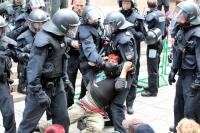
24, 39
46, 59
187, 52
156, 19
7, 51
124, 45
90, 39
135, 18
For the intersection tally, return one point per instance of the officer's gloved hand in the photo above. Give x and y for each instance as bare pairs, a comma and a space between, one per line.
109, 66
68, 85
43, 99
171, 77
23, 57
195, 86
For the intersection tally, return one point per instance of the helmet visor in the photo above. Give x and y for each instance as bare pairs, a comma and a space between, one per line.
180, 16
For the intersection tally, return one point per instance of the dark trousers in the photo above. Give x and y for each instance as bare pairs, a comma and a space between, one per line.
7, 108
153, 60
33, 111
72, 70
21, 71
164, 3
132, 92
181, 101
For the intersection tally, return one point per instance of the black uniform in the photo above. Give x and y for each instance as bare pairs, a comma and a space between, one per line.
186, 61
154, 19
44, 74
89, 39
138, 30
24, 41
164, 3
124, 45
6, 99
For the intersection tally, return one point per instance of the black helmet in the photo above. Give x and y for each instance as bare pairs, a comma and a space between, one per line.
64, 21
133, 2
38, 16
187, 12
92, 14
117, 21
153, 36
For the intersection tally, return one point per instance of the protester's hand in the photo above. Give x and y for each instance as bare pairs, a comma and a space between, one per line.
75, 44
128, 66
43, 99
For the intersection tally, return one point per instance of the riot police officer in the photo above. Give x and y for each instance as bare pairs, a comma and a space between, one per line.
35, 21
6, 100
20, 21
154, 19
123, 43
45, 71
131, 13
73, 61
90, 34
186, 62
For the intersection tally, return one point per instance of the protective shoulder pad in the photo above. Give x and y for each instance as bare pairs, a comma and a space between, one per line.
22, 16
196, 32
150, 17
9, 41
124, 37
84, 31
138, 16
24, 35
41, 39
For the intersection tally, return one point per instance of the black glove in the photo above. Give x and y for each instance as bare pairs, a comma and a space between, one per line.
109, 66
171, 77
68, 85
23, 57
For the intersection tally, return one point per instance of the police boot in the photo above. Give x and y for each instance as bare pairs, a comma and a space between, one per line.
148, 94
130, 110
171, 128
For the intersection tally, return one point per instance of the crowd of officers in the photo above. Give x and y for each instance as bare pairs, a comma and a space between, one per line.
50, 49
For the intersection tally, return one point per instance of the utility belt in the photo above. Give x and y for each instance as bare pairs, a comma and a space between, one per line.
50, 83
186, 72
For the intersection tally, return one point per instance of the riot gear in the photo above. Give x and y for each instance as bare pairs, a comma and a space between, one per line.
64, 22
133, 2
92, 15
36, 18
116, 21
153, 36
187, 12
